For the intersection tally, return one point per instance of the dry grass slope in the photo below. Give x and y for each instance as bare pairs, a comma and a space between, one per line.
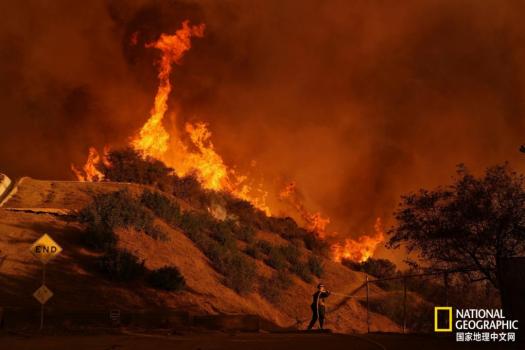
76, 286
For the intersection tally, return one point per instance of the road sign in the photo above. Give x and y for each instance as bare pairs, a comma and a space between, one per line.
45, 249
43, 294
114, 316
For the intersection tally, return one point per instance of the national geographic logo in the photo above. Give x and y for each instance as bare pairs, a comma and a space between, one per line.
475, 325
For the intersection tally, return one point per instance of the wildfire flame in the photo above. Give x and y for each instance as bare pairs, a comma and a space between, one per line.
198, 156
360, 249
314, 221
89, 171
153, 137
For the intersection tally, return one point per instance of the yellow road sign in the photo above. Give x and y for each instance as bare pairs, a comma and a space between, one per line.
45, 249
43, 294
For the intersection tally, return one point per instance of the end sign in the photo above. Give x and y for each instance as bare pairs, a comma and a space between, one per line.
43, 294
45, 249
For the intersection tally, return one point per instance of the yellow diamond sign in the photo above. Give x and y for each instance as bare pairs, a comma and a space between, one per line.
45, 249
43, 294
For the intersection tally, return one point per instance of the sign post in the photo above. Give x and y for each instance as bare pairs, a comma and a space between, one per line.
45, 249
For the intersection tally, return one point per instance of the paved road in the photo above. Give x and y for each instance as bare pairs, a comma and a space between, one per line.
253, 341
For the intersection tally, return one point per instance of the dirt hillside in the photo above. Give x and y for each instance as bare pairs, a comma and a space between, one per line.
39, 207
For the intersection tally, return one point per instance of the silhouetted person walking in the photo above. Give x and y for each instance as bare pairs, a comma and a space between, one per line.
318, 308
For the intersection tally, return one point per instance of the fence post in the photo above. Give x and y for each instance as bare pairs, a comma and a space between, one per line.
445, 280
42, 304
404, 304
367, 306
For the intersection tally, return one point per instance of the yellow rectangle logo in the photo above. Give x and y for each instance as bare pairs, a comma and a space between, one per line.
437, 309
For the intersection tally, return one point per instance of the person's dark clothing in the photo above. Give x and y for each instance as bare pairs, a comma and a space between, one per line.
316, 311
318, 308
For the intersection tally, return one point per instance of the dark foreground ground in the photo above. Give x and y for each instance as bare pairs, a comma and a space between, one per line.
210, 341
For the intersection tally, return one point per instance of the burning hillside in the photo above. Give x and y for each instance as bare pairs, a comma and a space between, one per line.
198, 155
352, 109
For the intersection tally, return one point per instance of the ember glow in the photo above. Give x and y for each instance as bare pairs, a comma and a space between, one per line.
191, 151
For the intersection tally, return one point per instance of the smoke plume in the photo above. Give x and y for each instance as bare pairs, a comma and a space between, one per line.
356, 102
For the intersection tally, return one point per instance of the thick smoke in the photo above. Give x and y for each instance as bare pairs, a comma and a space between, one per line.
356, 101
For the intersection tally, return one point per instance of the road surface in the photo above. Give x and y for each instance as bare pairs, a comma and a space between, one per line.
251, 341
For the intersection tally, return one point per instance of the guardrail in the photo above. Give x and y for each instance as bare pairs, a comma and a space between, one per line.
5, 186
27, 318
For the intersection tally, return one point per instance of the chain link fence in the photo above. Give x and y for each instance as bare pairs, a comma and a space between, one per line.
409, 300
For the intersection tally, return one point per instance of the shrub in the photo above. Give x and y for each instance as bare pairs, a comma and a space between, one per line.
167, 278
301, 269
276, 259
117, 209
193, 223
121, 265
380, 268
315, 265
291, 253
221, 248
239, 273
315, 244
222, 232
190, 224
245, 211
245, 233
99, 237
109, 211
351, 264
264, 247
286, 227
254, 251
189, 188
128, 165
217, 253
298, 242
162, 206
272, 288
157, 233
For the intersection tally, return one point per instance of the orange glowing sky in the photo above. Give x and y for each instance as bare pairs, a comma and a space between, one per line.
355, 102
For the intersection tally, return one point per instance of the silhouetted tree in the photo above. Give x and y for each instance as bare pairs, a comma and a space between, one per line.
474, 222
